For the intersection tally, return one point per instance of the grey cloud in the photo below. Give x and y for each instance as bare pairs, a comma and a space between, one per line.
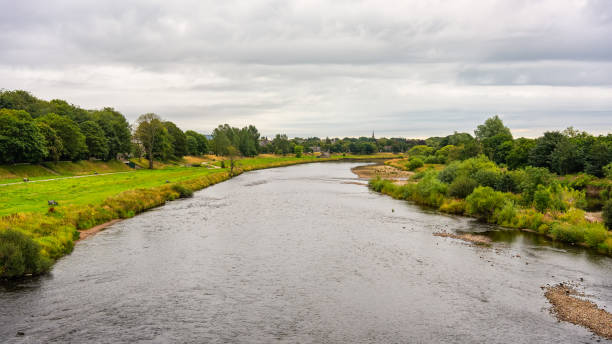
319, 67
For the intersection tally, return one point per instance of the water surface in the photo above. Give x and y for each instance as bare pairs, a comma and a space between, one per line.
300, 254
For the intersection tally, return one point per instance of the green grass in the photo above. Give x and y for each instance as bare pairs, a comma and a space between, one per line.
33, 197
50, 170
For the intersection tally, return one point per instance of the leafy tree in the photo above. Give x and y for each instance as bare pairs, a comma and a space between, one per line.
598, 155
421, 150
248, 141
73, 140
492, 134
566, 158
117, 131
178, 140
232, 153
97, 144
221, 141
149, 132
540, 155
197, 143
20, 138
281, 144
53, 142
518, 156
298, 150
192, 145
21, 100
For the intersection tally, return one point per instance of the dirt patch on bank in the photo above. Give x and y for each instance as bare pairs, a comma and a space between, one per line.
383, 171
568, 306
469, 237
93, 230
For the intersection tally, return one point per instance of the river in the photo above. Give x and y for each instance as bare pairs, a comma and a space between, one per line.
300, 254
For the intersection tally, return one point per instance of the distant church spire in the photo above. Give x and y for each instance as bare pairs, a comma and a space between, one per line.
373, 134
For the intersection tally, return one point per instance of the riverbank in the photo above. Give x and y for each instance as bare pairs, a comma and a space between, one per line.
569, 305
84, 203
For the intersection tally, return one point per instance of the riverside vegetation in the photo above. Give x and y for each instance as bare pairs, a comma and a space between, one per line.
522, 196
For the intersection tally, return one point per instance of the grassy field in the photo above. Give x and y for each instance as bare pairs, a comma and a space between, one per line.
48, 170
33, 197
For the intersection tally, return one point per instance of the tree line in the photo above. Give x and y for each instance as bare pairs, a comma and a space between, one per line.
34, 130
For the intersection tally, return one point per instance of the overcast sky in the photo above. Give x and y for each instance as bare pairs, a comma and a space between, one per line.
320, 68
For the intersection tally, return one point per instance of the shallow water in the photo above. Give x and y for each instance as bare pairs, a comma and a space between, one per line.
300, 254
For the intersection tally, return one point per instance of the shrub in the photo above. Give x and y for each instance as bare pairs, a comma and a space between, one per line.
449, 173
505, 216
607, 170
542, 199
595, 234
484, 201
461, 187
567, 232
607, 214
453, 206
434, 159
182, 191
488, 178
414, 163
20, 255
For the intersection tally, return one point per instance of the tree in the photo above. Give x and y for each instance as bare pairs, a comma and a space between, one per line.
178, 140
281, 144
540, 155
53, 142
298, 150
117, 131
73, 140
492, 134
232, 153
97, 144
221, 141
199, 143
20, 138
518, 156
598, 155
149, 131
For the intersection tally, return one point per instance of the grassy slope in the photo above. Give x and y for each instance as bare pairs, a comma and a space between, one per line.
48, 170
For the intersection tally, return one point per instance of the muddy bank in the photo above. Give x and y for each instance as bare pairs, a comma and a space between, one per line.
471, 238
383, 171
93, 230
568, 306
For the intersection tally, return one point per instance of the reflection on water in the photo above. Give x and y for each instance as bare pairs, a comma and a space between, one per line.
300, 254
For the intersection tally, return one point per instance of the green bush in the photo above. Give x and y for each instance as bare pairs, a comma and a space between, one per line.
505, 216
607, 214
488, 178
414, 163
182, 191
567, 232
607, 170
461, 187
484, 201
20, 255
449, 173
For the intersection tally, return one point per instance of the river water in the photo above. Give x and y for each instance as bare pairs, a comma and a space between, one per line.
300, 254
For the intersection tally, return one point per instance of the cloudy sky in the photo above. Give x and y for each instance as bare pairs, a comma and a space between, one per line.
324, 68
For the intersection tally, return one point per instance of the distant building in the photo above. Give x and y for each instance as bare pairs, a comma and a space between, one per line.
316, 149
264, 142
